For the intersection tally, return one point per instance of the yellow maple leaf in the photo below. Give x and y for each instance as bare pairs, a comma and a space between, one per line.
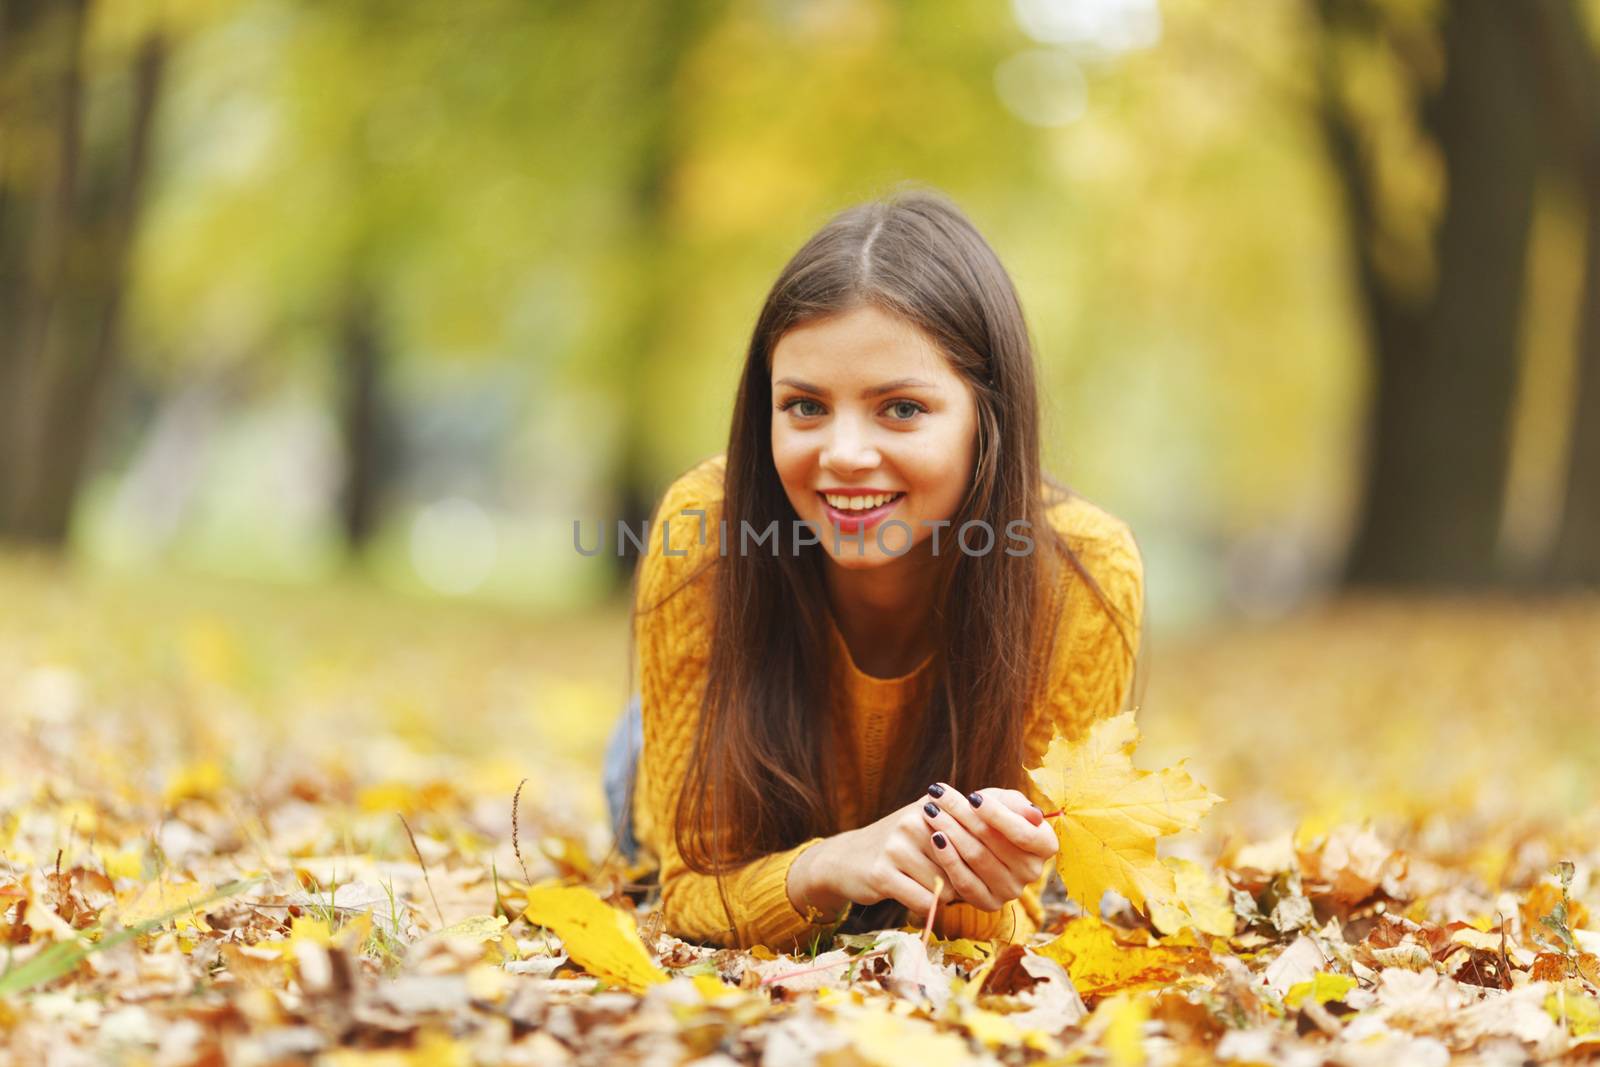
886, 1039
1111, 814
1100, 964
1322, 987
479, 928
1201, 899
142, 903
604, 940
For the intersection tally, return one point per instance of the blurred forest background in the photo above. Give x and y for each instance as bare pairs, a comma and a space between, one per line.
322, 323
292, 291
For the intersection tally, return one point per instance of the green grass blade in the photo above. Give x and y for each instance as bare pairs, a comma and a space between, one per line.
63, 957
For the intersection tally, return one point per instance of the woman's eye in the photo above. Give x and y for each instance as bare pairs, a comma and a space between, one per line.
801, 400
905, 410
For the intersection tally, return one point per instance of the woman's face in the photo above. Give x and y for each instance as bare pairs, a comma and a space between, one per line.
867, 407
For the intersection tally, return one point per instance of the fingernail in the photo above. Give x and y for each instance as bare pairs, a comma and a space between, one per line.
975, 800
936, 790
938, 841
931, 809
1035, 807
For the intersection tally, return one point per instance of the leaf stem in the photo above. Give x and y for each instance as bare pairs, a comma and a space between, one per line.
851, 962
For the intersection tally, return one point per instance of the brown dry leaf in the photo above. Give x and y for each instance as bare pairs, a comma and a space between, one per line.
1352, 862
1005, 975
1112, 814
1542, 901
1100, 964
1548, 967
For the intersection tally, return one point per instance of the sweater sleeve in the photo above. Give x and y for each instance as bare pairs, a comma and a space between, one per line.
673, 633
1092, 666
1090, 675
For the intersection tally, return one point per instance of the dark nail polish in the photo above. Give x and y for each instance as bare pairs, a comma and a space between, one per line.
975, 800
931, 809
936, 790
938, 841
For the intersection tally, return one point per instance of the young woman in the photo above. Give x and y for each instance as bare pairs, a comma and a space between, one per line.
860, 624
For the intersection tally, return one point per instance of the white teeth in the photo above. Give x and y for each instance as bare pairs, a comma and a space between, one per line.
859, 503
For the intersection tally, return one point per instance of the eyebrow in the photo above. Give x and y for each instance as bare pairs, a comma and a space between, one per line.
877, 390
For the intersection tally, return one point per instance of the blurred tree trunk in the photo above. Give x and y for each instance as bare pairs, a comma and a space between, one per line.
1444, 365
666, 42
1572, 86
1576, 557
362, 361
68, 207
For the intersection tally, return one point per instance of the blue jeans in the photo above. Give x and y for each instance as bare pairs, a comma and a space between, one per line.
620, 773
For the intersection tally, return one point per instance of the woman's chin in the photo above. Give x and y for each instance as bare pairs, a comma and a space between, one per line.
850, 559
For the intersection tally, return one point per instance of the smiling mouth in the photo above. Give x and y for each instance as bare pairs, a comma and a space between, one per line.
859, 505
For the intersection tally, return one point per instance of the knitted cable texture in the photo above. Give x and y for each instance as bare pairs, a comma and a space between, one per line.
1091, 668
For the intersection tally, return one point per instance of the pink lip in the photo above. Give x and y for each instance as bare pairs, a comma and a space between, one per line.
852, 522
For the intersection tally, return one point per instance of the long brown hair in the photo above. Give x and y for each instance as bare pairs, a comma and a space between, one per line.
759, 775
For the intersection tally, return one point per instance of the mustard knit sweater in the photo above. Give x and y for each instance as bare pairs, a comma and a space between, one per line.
1090, 673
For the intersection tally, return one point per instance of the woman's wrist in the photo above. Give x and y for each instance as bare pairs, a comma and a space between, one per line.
810, 890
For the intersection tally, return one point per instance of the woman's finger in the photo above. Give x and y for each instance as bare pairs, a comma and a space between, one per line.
1002, 875
960, 811
907, 891
908, 854
1034, 840
969, 885
1019, 803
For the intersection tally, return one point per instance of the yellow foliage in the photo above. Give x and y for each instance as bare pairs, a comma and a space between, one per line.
602, 939
479, 928
1201, 899
1100, 964
1111, 814
200, 779
1124, 1021
142, 903
882, 1037
1321, 987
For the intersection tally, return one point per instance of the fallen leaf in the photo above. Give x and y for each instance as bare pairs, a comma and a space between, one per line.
1322, 988
881, 1037
479, 928
911, 973
142, 903
1201, 899
1111, 814
1099, 964
602, 939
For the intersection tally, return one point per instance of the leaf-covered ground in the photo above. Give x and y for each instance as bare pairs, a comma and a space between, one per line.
245, 825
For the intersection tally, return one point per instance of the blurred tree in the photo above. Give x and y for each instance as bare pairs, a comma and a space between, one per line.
74, 150
368, 425
664, 37
1442, 308
1571, 81
414, 184
1463, 89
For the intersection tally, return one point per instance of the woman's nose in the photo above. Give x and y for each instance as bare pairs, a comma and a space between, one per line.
849, 449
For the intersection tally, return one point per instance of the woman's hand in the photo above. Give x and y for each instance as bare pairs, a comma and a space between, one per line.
990, 844
893, 858
985, 853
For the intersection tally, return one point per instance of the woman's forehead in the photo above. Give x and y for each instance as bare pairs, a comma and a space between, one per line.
858, 350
